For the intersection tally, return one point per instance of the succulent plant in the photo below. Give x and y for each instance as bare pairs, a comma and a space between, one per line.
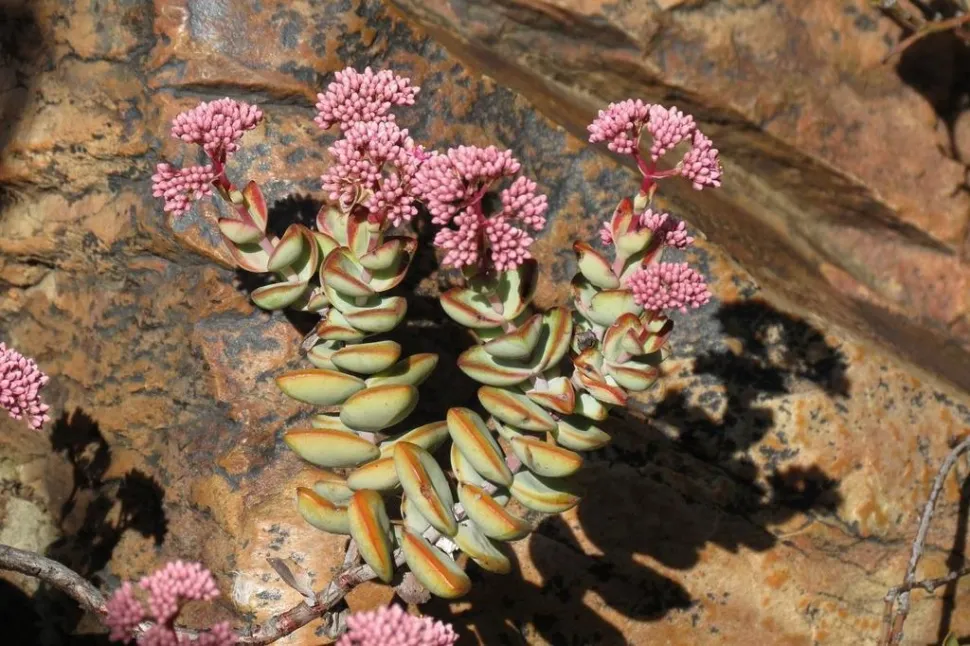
548, 377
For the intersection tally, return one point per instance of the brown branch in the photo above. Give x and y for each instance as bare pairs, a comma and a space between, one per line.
899, 15
897, 599
274, 628
932, 27
60, 576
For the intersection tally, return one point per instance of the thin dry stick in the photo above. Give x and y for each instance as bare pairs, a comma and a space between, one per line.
895, 615
274, 628
932, 27
901, 16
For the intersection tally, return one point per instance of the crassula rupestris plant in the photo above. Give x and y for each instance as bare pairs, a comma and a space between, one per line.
548, 377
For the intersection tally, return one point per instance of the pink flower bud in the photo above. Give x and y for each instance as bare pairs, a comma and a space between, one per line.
392, 626
355, 97
668, 286
20, 384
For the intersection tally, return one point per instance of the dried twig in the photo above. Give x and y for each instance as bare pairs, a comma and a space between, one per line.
897, 599
902, 17
928, 28
274, 628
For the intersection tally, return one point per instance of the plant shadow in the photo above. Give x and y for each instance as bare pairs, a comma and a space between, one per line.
100, 509
936, 66
667, 487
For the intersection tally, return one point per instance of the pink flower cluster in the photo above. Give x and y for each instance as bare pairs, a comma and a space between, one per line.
668, 286
621, 124
374, 164
217, 126
453, 185
179, 186
360, 98
392, 626
20, 384
671, 231
167, 590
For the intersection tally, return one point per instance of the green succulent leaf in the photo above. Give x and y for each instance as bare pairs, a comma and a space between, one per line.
411, 371
429, 437
382, 319
378, 407
490, 516
518, 344
545, 495
384, 256
580, 434
367, 358
371, 529
335, 327
609, 305
288, 249
340, 272
330, 449
249, 257
390, 277
634, 375
319, 386
240, 232
470, 309
256, 205
413, 519
476, 443
437, 571
333, 487
463, 469
481, 549
515, 409
545, 458
478, 364
594, 267
557, 395
426, 485
321, 513
278, 295
556, 333
516, 288
379, 475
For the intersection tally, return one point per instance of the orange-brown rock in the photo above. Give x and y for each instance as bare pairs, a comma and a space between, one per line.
847, 193
765, 493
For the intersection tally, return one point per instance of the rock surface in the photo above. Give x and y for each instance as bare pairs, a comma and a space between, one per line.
848, 176
770, 496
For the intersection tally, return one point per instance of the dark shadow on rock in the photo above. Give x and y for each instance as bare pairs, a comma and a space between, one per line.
938, 67
293, 209
668, 486
22, 50
99, 509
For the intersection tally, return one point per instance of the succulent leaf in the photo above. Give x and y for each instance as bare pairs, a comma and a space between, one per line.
516, 288
611, 304
288, 249
371, 528
518, 344
319, 386
478, 364
278, 295
437, 571
256, 205
330, 449
481, 549
367, 358
321, 513
580, 434
595, 267
515, 409
491, 517
470, 309
333, 487
335, 327
426, 485
340, 272
378, 407
411, 371
544, 458
240, 232
558, 395
379, 475
429, 437
545, 495
476, 443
